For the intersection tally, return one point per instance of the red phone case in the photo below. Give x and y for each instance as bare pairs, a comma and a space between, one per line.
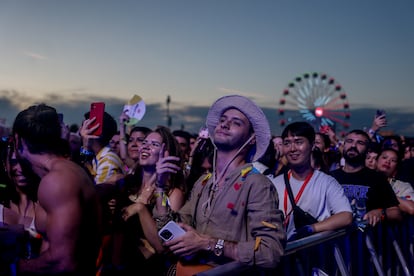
97, 111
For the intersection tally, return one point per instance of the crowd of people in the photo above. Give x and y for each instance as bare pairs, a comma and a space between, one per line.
95, 204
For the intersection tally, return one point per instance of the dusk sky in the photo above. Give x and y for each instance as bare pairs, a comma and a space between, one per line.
68, 53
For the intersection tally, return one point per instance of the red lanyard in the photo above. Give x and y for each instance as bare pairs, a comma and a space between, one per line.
308, 177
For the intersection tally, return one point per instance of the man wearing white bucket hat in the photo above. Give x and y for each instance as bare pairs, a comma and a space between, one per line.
232, 213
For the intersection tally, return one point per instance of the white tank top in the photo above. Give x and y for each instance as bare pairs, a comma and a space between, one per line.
32, 224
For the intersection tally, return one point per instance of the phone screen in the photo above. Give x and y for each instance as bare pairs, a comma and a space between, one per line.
97, 110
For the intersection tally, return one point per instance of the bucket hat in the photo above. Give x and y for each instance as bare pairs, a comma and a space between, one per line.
253, 113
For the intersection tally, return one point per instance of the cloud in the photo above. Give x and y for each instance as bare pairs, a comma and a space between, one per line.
229, 90
12, 99
259, 98
35, 55
74, 103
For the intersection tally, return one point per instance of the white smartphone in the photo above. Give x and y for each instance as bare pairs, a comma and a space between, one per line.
203, 133
171, 231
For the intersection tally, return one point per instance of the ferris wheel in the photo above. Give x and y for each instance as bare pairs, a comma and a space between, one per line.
318, 99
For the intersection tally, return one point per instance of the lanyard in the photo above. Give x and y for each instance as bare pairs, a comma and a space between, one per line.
308, 177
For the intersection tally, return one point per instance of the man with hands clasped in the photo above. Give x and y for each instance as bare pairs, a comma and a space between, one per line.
232, 213
371, 196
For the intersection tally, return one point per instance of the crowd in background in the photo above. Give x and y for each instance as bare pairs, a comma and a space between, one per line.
143, 177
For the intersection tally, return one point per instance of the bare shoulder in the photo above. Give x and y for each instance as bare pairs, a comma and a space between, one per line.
64, 180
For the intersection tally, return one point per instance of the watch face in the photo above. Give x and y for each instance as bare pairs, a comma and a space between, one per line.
218, 251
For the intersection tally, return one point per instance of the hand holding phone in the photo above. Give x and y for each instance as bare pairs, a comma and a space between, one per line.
324, 129
97, 111
171, 231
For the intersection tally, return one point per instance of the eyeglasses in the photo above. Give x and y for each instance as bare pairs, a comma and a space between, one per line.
112, 142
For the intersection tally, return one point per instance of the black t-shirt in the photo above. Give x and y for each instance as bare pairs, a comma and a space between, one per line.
406, 171
366, 190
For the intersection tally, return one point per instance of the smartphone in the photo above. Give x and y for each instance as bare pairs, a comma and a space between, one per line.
97, 110
203, 133
60, 116
380, 112
324, 129
171, 231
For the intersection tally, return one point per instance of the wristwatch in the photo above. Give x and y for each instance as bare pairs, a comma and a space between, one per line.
218, 249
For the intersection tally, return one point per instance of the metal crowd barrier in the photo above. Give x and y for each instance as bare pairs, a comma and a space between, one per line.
386, 249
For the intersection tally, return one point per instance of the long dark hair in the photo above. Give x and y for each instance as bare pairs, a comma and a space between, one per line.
132, 183
32, 179
203, 151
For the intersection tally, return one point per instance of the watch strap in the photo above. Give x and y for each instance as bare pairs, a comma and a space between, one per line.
218, 249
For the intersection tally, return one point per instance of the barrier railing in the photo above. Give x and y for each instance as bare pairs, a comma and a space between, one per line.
386, 249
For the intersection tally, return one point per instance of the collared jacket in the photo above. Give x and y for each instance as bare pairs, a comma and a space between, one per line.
245, 211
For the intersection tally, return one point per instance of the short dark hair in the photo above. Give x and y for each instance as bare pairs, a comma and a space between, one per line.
385, 143
182, 133
303, 129
399, 157
325, 138
40, 128
359, 132
143, 129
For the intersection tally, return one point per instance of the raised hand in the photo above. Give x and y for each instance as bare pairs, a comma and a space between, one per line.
165, 166
85, 131
123, 118
379, 122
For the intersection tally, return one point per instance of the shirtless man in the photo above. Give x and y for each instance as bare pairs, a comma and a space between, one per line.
68, 215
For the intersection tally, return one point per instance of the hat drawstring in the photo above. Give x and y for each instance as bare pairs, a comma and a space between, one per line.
207, 204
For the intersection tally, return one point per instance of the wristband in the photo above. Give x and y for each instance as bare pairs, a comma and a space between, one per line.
383, 214
163, 196
124, 140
